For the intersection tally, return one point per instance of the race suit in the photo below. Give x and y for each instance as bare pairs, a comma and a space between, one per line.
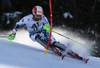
34, 27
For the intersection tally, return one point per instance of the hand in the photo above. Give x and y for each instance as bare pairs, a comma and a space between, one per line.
12, 36
47, 28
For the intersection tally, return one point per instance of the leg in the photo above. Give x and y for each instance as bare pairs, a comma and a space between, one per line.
58, 48
40, 39
33, 36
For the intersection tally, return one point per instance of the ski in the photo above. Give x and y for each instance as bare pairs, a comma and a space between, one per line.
79, 58
56, 51
63, 56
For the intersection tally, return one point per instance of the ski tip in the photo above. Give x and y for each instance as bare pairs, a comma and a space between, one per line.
63, 56
85, 60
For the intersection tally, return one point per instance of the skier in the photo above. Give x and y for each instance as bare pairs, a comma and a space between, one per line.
35, 25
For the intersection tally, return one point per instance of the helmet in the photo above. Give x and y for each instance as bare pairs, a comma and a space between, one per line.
37, 12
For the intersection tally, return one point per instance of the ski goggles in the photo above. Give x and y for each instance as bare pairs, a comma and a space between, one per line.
38, 16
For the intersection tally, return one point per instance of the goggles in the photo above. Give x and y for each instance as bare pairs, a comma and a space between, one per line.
38, 16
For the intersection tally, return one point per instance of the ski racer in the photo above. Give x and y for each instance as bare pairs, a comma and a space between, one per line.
35, 25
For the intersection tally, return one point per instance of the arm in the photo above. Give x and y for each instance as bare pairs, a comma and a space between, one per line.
46, 22
16, 27
18, 24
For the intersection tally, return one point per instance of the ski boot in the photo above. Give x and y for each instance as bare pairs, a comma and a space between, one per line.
75, 55
57, 51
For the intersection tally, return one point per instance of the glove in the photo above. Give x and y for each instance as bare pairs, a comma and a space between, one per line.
47, 28
12, 36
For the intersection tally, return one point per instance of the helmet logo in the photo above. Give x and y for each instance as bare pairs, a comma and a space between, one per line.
39, 11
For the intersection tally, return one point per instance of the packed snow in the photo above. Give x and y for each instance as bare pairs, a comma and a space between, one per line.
22, 52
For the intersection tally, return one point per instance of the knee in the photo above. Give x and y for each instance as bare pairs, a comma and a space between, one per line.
33, 37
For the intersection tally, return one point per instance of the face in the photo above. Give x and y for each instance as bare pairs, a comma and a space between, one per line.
38, 17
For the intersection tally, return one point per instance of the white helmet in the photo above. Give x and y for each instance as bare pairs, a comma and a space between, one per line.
37, 10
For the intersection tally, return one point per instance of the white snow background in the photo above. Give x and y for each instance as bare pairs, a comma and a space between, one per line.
22, 52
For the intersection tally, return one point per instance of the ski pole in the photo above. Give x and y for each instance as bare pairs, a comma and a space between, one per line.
8, 37
46, 27
3, 36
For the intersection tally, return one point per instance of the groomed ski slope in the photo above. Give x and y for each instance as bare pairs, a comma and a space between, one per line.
20, 54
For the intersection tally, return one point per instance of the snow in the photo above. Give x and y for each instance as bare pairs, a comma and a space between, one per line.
24, 53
